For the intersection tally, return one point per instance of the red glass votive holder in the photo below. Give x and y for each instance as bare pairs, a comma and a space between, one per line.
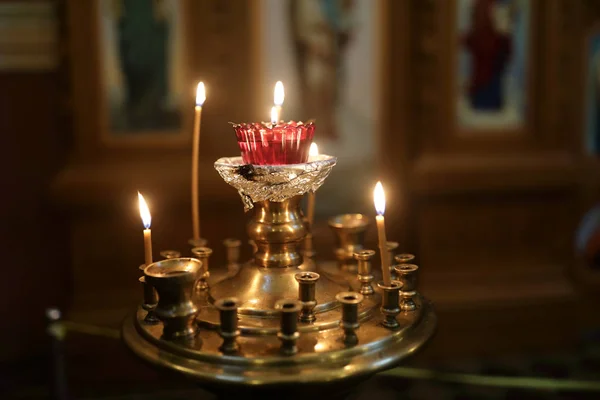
268, 144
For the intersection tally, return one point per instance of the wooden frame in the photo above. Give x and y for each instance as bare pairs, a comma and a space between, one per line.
91, 120
494, 132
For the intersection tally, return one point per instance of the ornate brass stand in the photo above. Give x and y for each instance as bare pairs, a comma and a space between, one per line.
298, 324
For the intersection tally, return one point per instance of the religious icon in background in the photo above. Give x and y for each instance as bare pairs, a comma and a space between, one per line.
322, 31
140, 61
592, 123
492, 63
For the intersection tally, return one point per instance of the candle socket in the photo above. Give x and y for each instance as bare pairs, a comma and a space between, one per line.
407, 274
288, 333
365, 277
202, 254
306, 294
391, 249
228, 330
150, 300
232, 247
349, 231
167, 254
349, 323
390, 304
174, 280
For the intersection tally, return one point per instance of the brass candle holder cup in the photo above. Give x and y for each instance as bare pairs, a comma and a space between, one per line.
349, 323
391, 249
407, 274
166, 254
228, 330
202, 254
306, 294
350, 231
390, 304
232, 247
174, 280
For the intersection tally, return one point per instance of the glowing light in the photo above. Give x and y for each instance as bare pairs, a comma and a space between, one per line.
314, 150
279, 94
274, 116
379, 198
200, 94
144, 211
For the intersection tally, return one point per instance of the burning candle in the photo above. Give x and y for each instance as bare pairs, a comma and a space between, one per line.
274, 116
200, 98
146, 220
278, 97
310, 207
379, 200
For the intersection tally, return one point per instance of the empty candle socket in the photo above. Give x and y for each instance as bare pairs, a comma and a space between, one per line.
365, 276
288, 333
228, 330
232, 246
202, 254
174, 280
306, 294
407, 274
349, 323
390, 303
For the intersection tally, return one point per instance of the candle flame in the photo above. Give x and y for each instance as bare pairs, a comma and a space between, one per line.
274, 115
200, 94
379, 198
144, 211
279, 94
314, 150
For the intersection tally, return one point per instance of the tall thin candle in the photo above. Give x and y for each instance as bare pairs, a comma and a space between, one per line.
200, 98
379, 200
147, 221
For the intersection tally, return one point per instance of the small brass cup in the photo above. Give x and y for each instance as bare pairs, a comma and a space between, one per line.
174, 280
350, 231
365, 276
390, 304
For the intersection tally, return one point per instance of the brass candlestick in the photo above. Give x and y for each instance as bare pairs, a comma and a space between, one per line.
390, 306
349, 323
288, 334
365, 277
407, 274
202, 254
229, 324
150, 300
306, 294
